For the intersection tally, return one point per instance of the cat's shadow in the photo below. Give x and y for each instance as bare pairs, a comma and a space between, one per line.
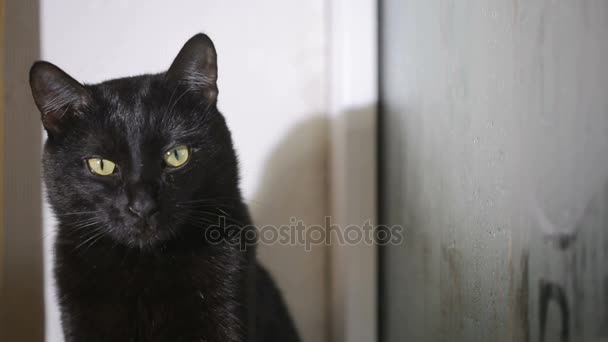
294, 185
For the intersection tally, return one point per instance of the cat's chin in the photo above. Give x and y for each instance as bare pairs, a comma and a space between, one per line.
145, 238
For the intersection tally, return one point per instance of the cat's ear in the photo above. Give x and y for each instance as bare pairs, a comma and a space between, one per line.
195, 67
57, 95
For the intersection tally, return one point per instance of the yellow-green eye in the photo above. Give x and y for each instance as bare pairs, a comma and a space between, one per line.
102, 167
177, 156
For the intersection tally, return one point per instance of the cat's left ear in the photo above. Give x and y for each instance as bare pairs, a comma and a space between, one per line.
195, 67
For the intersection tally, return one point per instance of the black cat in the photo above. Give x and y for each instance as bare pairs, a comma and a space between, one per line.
138, 171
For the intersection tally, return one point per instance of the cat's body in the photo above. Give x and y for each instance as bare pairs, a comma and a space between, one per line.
145, 297
134, 260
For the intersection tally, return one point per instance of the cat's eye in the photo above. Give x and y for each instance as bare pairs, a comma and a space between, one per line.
100, 166
177, 156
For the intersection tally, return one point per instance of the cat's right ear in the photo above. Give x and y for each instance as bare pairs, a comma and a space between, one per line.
57, 95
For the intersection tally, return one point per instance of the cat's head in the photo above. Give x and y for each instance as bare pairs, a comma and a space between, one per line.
126, 158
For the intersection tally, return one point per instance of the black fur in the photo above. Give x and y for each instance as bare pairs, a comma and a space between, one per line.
122, 276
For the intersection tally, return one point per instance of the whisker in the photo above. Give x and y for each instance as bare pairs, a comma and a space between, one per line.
79, 213
210, 215
204, 205
191, 219
85, 224
99, 232
99, 236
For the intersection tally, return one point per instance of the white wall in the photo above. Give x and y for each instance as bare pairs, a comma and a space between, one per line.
272, 61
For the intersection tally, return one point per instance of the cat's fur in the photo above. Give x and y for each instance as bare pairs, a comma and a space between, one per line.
158, 277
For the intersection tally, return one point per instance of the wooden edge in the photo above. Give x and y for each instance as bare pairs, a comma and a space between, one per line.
1, 135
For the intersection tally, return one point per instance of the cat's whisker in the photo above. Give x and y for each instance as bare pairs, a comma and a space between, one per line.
193, 206
222, 211
218, 217
198, 224
210, 216
216, 200
99, 237
226, 200
84, 224
79, 213
206, 203
83, 220
97, 233
195, 220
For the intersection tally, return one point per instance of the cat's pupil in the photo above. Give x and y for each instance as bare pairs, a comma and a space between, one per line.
101, 164
176, 154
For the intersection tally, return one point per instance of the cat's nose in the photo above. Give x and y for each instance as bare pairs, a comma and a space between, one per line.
143, 205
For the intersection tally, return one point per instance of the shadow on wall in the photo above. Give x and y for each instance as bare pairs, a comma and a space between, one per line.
294, 186
21, 296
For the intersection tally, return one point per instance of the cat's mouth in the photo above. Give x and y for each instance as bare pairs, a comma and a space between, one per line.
145, 233
145, 237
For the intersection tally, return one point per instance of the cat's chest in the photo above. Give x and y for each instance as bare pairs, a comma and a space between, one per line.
118, 277
143, 299
146, 315
151, 278
153, 297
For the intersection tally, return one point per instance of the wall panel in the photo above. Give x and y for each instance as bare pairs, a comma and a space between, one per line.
495, 132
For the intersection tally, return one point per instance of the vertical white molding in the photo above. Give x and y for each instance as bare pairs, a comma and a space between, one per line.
352, 102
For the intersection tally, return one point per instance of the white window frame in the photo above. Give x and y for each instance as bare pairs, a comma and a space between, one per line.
352, 103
